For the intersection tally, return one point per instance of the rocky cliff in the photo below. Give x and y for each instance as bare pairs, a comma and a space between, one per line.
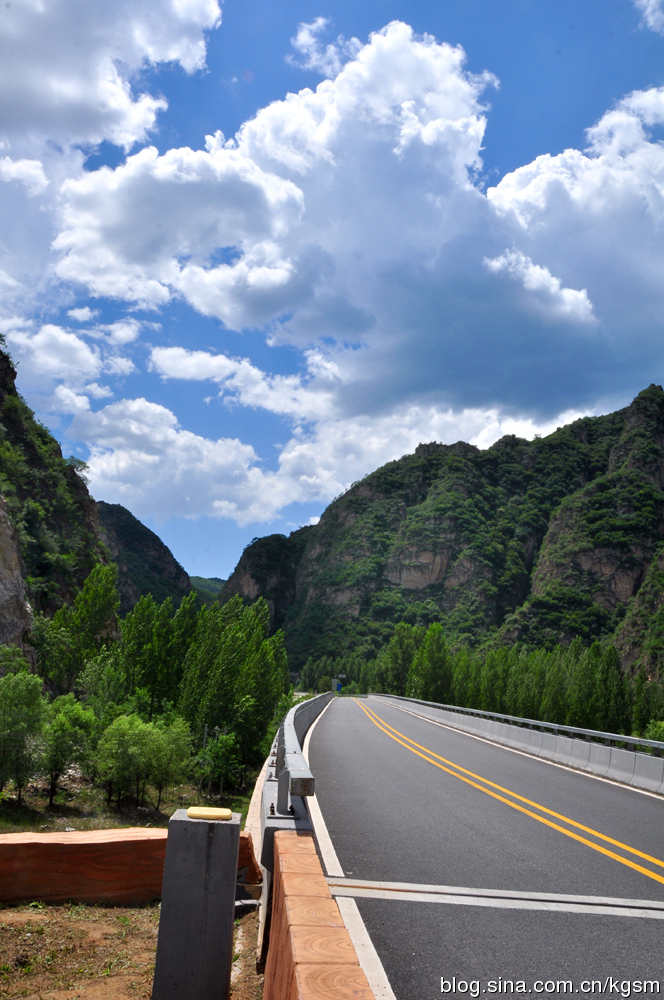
532, 541
145, 564
51, 519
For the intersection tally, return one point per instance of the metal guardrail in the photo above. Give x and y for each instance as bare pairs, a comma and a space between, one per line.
289, 780
609, 739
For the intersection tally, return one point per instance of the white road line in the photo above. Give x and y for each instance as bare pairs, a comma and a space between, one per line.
522, 753
501, 904
504, 894
370, 963
367, 956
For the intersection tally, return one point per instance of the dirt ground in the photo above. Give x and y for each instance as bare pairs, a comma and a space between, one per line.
97, 953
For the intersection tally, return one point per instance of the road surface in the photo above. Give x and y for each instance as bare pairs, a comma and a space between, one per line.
529, 846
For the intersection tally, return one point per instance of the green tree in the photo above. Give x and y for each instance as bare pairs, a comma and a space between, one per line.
430, 675
400, 654
123, 756
77, 632
66, 739
169, 748
21, 717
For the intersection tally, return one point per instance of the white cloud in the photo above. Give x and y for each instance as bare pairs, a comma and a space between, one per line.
66, 65
83, 315
56, 355
327, 60
240, 381
653, 14
375, 162
145, 230
141, 457
29, 172
547, 290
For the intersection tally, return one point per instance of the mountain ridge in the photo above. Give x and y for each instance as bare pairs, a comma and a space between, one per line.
526, 541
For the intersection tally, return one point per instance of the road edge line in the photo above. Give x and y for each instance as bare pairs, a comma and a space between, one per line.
367, 956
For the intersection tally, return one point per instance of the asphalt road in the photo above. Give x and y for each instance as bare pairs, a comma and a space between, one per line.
395, 816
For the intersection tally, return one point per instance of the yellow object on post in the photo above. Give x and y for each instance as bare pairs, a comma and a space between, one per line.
208, 812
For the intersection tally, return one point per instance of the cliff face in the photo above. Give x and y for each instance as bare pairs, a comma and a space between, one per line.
145, 564
51, 515
527, 541
15, 610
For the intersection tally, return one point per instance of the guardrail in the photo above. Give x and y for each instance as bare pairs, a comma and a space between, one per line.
568, 745
289, 780
609, 739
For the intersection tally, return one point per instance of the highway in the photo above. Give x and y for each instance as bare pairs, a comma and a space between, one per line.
528, 846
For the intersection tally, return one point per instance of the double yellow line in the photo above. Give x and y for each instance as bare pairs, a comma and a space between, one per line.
494, 790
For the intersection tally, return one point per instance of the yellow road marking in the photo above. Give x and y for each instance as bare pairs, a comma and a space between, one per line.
377, 721
536, 805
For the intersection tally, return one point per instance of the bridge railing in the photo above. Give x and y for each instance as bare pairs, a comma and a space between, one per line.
635, 743
288, 781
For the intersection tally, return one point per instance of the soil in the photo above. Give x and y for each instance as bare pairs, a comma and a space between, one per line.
99, 953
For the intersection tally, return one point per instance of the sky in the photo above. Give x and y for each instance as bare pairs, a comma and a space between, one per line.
251, 251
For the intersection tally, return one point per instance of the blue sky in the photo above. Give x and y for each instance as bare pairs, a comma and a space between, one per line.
409, 221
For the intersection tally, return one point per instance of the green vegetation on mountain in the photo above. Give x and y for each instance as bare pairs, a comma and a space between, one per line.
53, 516
207, 588
145, 564
531, 542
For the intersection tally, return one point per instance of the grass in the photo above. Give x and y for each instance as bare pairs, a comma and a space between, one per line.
81, 805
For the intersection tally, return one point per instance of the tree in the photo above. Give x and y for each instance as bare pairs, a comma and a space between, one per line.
170, 752
430, 676
123, 756
400, 654
21, 716
66, 739
77, 632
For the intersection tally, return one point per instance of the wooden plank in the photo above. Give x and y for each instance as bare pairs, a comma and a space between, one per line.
329, 982
91, 866
247, 859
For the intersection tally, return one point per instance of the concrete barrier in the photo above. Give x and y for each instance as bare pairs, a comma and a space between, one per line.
631, 767
622, 765
311, 955
195, 943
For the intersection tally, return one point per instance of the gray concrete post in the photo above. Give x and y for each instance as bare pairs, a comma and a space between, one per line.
195, 943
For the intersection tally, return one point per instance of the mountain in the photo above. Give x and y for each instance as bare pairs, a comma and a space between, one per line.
207, 587
48, 520
145, 564
527, 541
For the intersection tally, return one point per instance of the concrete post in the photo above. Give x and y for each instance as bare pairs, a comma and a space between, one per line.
195, 944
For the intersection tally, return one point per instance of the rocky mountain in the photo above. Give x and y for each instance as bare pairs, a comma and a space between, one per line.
48, 520
145, 564
52, 532
530, 541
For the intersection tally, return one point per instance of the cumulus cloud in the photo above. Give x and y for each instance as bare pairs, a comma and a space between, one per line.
376, 162
141, 457
145, 230
653, 14
66, 65
53, 355
547, 290
82, 315
29, 172
324, 59
240, 381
